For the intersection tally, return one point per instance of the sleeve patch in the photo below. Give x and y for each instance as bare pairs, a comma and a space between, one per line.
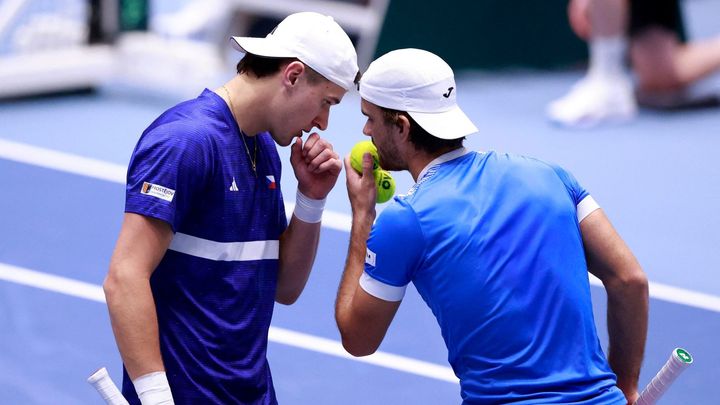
157, 191
370, 257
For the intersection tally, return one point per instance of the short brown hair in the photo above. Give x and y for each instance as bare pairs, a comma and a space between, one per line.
262, 66
419, 137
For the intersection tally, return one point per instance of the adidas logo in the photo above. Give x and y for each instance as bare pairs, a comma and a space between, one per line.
233, 186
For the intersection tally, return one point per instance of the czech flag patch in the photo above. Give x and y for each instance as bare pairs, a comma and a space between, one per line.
271, 182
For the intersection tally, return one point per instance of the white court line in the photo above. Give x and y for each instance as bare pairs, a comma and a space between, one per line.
116, 173
64, 162
677, 295
288, 337
92, 292
112, 172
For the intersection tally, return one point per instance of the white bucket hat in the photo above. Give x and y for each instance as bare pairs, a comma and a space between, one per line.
315, 39
423, 85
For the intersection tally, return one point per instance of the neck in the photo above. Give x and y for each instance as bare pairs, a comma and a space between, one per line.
421, 159
245, 99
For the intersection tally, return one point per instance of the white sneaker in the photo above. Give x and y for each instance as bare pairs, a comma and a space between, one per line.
594, 100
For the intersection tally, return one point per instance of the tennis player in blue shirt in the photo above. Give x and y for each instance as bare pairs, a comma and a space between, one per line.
499, 246
205, 247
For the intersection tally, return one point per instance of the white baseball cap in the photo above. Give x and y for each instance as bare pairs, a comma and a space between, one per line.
422, 84
315, 39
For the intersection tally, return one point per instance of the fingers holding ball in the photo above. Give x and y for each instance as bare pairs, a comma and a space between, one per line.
384, 182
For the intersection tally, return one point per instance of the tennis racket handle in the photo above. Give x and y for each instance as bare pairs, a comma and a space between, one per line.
679, 360
106, 387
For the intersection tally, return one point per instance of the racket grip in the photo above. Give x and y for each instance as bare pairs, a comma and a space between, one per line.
106, 388
679, 360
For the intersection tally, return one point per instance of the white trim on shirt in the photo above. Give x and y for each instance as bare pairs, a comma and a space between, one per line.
454, 154
586, 207
378, 289
225, 251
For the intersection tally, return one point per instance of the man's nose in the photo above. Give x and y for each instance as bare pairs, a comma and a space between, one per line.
321, 121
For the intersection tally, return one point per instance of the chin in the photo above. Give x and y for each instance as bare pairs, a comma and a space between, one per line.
281, 141
382, 162
389, 166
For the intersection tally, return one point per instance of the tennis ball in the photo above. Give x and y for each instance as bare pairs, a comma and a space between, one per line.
385, 186
357, 152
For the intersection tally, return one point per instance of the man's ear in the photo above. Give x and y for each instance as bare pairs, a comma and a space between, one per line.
292, 72
403, 126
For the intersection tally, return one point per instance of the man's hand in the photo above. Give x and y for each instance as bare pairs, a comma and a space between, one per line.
316, 166
361, 187
632, 397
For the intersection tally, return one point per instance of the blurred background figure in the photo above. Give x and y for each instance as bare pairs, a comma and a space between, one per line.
66, 46
664, 63
199, 19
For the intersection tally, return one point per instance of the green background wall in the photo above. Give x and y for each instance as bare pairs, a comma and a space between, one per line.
485, 34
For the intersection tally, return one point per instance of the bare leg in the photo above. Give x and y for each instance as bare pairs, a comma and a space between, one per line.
663, 63
608, 19
605, 94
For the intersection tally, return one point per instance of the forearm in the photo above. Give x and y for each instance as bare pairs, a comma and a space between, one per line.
298, 247
627, 328
354, 266
134, 323
611, 260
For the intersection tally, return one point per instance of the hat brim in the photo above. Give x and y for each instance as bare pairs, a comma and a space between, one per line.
261, 47
450, 124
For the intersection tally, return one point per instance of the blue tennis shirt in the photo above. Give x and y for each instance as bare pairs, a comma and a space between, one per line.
492, 243
215, 287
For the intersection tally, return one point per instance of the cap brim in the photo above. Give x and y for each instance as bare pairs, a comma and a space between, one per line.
260, 46
451, 124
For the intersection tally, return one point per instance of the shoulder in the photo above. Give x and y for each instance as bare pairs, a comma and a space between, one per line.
176, 143
178, 132
550, 173
398, 216
523, 163
190, 123
193, 121
177, 140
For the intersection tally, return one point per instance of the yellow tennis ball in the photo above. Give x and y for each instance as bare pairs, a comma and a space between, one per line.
357, 152
385, 186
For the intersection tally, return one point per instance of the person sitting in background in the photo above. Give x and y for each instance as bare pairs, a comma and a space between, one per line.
664, 64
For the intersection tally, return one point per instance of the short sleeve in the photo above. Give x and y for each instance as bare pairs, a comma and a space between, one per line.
584, 202
395, 250
168, 169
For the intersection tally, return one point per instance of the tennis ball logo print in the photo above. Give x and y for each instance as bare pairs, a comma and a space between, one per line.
385, 186
384, 183
357, 152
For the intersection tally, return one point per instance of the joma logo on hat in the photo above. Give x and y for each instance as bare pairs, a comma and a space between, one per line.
447, 95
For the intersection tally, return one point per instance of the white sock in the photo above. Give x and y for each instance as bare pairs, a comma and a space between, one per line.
607, 56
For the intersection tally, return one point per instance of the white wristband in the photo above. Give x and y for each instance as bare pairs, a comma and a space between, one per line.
154, 389
307, 209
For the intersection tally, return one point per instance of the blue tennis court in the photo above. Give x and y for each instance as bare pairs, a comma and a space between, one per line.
62, 163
